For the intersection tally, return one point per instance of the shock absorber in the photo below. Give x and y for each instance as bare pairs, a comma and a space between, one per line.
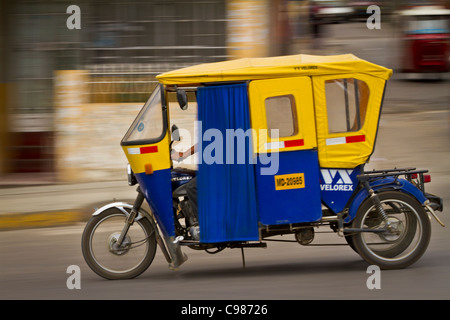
378, 205
130, 219
376, 202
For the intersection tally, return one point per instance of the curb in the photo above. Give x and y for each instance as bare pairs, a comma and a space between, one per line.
51, 218
16, 221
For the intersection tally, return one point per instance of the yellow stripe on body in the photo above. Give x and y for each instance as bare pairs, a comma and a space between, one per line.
156, 154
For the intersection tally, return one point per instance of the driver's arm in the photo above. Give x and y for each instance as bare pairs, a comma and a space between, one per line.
187, 153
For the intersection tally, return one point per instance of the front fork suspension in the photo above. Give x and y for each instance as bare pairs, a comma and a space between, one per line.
130, 219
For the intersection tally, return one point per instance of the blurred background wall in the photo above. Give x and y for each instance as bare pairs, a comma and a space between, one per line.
68, 96
117, 52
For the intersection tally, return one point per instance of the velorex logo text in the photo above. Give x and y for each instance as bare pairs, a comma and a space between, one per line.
336, 180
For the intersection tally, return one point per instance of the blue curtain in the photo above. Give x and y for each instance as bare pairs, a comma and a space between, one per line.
226, 183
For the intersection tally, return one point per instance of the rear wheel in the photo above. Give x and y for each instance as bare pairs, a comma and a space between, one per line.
407, 234
111, 261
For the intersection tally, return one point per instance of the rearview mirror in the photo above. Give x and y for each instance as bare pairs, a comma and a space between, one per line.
182, 99
175, 133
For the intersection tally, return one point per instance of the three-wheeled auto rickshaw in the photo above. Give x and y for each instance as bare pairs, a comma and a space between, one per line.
425, 49
281, 143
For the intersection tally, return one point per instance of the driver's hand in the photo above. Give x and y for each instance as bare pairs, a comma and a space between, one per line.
177, 156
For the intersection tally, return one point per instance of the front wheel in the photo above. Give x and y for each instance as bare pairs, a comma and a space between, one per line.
111, 261
407, 234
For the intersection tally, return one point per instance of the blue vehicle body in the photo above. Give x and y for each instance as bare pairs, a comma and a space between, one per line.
342, 189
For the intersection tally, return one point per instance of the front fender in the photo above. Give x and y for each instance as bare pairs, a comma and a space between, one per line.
388, 183
123, 206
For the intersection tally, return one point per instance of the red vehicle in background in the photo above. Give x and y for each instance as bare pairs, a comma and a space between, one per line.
426, 40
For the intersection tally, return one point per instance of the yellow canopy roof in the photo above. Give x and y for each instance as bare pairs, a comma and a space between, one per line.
273, 67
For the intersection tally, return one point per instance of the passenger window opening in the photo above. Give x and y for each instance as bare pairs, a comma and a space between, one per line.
281, 115
347, 101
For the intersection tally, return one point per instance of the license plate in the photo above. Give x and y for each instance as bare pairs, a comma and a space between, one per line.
290, 181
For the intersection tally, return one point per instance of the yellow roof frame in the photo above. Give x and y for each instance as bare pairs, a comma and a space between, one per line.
273, 67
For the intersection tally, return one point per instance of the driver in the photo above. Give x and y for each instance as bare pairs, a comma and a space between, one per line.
191, 186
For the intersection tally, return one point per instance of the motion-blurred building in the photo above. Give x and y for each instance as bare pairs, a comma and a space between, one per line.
120, 47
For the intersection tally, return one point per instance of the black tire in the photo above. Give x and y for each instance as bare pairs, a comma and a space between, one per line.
408, 240
111, 262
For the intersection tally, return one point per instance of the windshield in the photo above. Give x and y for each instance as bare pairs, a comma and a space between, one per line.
148, 127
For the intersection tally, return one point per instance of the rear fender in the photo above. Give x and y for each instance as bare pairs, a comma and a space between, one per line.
388, 183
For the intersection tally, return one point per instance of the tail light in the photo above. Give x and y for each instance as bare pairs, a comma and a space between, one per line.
425, 178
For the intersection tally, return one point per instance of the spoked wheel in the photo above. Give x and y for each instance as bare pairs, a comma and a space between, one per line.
111, 261
407, 234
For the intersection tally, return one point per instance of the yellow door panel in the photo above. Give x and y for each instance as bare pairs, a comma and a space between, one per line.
286, 106
347, 111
